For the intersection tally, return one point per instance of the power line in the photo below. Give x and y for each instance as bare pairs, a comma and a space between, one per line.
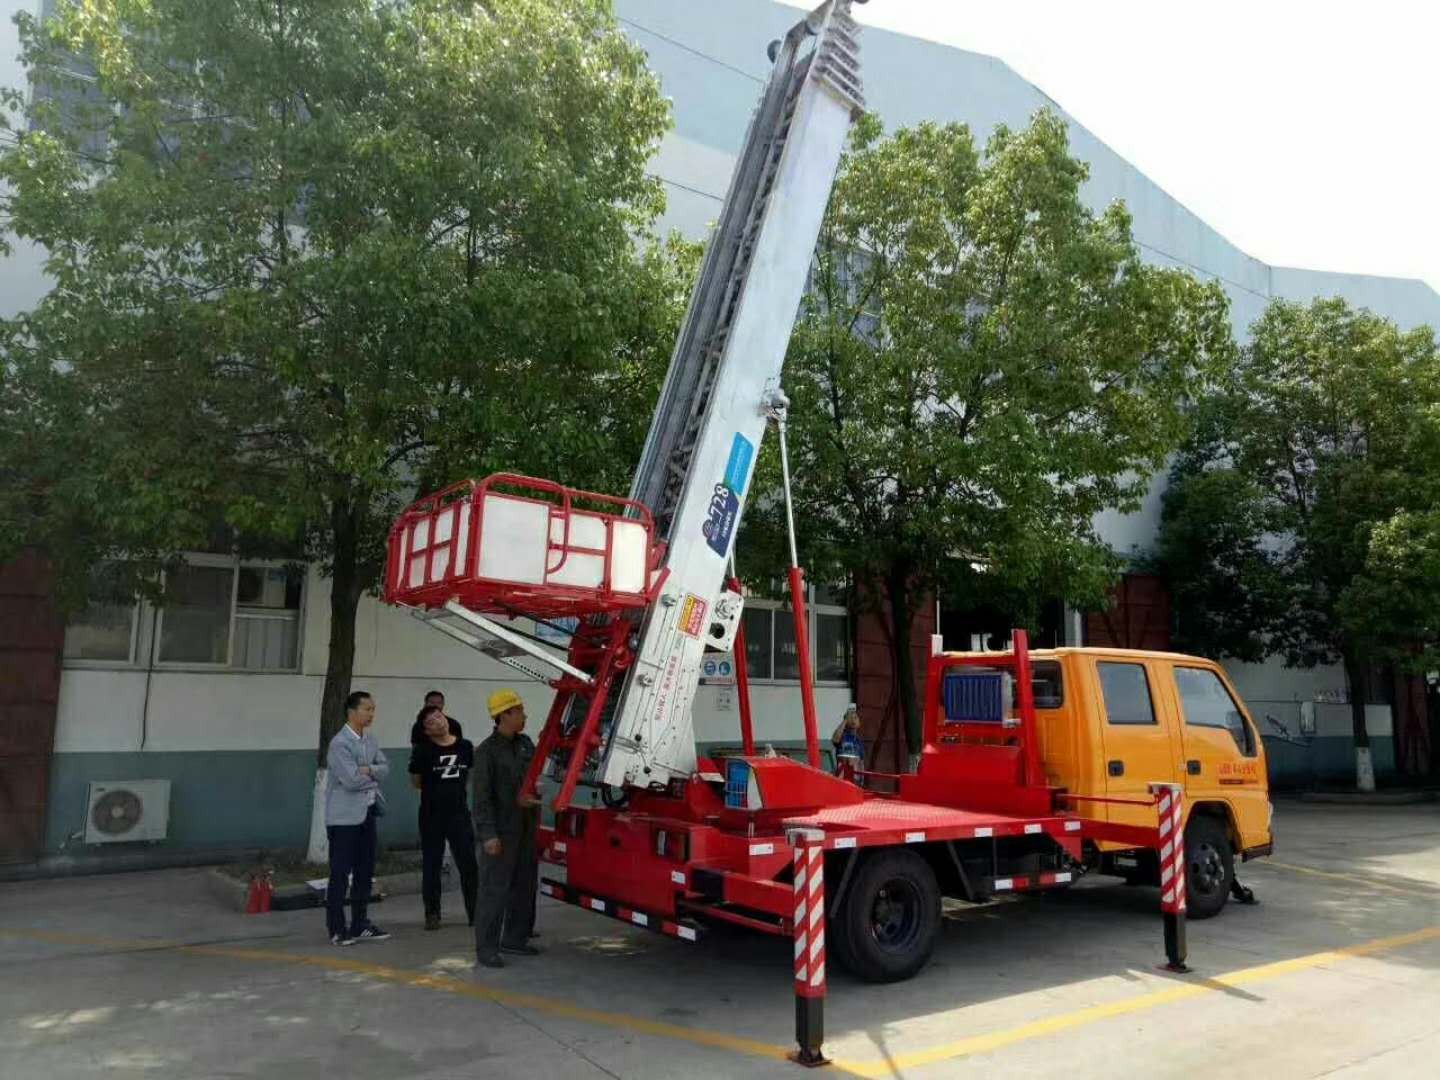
1201, 270
1138, 243
690, 49
686, 187
710, 195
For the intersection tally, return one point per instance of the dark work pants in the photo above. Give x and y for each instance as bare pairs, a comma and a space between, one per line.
352, 856
435, 831
508, 883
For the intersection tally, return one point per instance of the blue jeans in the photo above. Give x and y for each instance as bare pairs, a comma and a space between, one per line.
352, 856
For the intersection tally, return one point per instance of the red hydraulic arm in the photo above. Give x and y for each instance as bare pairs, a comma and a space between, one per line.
807, 684
742, 683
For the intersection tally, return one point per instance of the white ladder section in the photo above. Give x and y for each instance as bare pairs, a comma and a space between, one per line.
496, 640
701, 449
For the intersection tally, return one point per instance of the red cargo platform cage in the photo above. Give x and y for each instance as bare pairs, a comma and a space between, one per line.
512, 544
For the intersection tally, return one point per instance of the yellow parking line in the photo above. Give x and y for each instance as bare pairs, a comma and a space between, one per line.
427, 981
1418, 889
451, 985
893, 1066
994, 1040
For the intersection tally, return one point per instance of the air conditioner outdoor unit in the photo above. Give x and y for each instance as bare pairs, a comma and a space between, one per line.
127, 810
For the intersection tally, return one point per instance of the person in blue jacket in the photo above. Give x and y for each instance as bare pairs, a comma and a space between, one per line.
849, 747
356, 766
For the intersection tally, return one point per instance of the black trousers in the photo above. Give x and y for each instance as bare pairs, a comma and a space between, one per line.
508, 884
352, 857
435, 831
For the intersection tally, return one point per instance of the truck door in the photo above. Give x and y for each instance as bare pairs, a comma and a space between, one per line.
1222, 753
1139, 748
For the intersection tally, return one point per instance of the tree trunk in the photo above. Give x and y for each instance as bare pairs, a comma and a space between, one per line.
898, 587
345, 592
1355, 674
344, 601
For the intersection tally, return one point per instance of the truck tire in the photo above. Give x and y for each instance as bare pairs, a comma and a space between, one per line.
889, 920
1209, 866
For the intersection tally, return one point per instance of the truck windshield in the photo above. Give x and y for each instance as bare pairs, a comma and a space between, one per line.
1206, 703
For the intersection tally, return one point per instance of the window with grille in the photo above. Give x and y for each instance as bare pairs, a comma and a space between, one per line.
770, 651
217, 612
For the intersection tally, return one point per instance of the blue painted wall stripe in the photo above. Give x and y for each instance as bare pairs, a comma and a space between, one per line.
261, 798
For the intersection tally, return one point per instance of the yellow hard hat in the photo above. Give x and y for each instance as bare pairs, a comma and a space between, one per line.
502, 701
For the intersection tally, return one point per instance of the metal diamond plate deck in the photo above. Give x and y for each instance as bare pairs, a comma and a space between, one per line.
894, 814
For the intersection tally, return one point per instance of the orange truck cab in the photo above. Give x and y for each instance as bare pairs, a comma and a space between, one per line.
1114, 721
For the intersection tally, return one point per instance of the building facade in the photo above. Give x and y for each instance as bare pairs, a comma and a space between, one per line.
220, 694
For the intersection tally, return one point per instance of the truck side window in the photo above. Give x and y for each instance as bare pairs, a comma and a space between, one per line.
1127, 693
1207, 703
1047, 684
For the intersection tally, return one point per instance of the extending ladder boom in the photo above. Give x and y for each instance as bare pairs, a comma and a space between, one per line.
724, 373
643, 580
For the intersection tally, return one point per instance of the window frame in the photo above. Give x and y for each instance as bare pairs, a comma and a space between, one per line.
299, 620
1149, 694
1035, 698
145, 639
851, 266
813, 611
1252, 736
90, 663
200, 562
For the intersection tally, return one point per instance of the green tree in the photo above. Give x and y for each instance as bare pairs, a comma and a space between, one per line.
1299, 521
982, 365
308, 258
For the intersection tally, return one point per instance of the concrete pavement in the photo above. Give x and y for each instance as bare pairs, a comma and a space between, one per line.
1333, 974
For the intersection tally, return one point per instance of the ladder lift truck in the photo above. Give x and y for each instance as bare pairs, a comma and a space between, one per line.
646, 585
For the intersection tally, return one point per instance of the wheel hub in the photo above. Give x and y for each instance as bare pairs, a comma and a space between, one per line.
895, 914
1207, 868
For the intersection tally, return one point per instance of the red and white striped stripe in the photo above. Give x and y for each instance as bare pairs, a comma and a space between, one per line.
809, 919
1044, 880
619, 911
1170, 809
1061, 828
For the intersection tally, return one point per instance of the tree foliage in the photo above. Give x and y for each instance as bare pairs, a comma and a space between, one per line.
1300, 518
983, 364
309, 257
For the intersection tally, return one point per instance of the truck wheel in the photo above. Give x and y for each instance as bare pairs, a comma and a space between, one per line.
889, 921
1209, 866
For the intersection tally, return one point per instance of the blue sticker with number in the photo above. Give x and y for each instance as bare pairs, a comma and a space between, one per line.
724, 509
720, 519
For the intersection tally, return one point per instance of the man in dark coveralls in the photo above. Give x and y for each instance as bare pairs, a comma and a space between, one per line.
505, 823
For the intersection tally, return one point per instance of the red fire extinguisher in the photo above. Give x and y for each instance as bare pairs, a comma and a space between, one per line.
261, 889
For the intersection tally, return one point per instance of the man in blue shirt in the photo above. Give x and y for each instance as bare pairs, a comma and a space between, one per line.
353, 800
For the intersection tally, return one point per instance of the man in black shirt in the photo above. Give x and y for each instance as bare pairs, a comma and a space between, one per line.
435, 698
440, 765
505, 821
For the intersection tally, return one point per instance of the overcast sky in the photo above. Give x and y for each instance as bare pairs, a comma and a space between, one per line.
1308, 134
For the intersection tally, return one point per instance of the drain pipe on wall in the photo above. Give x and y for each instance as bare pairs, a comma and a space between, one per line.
149, 671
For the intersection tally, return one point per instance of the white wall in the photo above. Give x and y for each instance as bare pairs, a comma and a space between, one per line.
22, 275
397, 659
1273, 688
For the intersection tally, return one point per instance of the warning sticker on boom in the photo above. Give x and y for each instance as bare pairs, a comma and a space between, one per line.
692, 615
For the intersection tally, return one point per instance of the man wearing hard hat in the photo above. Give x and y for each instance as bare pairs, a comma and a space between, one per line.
505, 823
